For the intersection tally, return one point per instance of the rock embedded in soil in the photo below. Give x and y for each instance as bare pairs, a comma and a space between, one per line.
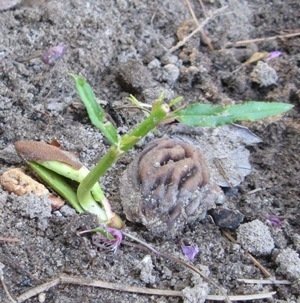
264, 75
34, 207
256, 238
167, 186
146, 268
196, 294
134, 77
227, 218
171, 73
288, 262
199, 292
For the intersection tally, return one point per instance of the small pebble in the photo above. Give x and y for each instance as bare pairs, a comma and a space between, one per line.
264, 75
67, 211
171, 73
155, 63
6, 4
256, 238
42, 297
146, 267
227, 218
288, 262
53, 54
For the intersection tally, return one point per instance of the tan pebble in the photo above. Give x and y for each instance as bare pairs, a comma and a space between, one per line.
16, 181
56, 202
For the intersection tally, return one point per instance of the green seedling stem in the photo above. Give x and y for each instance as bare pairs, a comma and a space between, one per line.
159, 113
63, 188
78, 175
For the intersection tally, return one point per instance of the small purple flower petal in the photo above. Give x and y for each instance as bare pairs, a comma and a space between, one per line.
117, 234
273, 55
190, 251
103, 242
274, 221
51, 55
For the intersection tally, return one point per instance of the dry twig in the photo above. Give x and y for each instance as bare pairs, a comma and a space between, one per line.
204, 37
263, 39
9, 239
263, 282
198, 29
265, 272
65, 279
203, 8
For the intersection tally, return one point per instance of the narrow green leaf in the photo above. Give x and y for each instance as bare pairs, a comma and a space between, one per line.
95, 111
58, 184
61, 185
209, 115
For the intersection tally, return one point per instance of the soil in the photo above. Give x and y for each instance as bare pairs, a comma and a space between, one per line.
121, 47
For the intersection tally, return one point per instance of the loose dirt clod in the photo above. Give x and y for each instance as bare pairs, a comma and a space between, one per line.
289, 263
168, 185
256, 238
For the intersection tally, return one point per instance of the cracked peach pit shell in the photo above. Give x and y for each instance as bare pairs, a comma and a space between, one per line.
168, 186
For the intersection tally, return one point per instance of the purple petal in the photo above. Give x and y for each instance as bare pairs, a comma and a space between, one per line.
274, 221
190, 251
51, 55
273, 55
103, 242
117, 234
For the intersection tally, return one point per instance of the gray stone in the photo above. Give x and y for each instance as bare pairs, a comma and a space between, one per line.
155, 63
35, 207
67, 211
256, 238
226, 218
171, 73
196, 294
288, 262
264, 75
134, 77
146, 267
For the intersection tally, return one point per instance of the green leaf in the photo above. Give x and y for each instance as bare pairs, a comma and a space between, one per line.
209, 115
61, 185
95, 112
58, 184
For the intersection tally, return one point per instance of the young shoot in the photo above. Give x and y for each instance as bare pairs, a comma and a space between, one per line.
60, 170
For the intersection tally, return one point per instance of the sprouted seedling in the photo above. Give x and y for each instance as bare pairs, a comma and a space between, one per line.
88, 195
60, 170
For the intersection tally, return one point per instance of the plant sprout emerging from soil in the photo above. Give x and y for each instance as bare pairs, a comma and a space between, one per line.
60, 170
